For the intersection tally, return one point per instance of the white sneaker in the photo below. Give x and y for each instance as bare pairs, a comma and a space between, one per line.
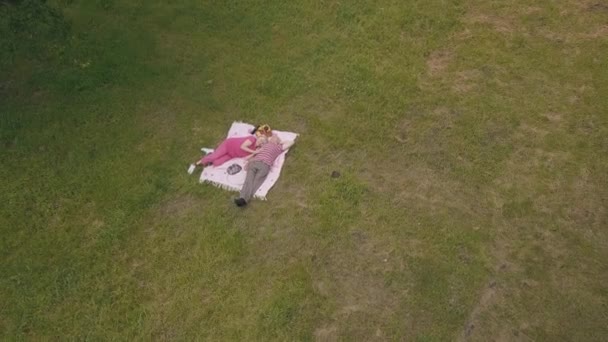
191, 169
206, 150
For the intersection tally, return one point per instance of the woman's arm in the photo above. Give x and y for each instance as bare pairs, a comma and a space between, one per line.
245, 146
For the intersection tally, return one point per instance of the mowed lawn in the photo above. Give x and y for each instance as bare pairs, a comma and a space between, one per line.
471, 139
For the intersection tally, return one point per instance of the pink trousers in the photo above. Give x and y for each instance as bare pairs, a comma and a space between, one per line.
217, 157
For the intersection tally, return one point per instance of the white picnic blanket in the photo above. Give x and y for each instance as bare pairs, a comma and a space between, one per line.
218, 175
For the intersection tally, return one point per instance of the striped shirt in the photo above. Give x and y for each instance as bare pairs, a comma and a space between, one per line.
268, 153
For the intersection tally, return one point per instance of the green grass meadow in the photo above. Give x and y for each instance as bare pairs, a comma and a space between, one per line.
471, 138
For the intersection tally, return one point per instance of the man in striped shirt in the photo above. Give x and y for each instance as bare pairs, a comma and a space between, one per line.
258, 167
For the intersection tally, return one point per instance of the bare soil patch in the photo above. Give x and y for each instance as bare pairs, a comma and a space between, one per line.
439, 61
466, 80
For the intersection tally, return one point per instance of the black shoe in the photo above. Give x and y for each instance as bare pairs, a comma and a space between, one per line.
240, 202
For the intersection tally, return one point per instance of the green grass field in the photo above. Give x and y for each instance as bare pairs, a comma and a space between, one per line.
471, 138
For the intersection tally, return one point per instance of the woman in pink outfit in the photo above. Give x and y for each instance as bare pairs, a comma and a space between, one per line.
230, 148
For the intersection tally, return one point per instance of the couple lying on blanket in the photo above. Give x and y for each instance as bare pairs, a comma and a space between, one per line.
266, 148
